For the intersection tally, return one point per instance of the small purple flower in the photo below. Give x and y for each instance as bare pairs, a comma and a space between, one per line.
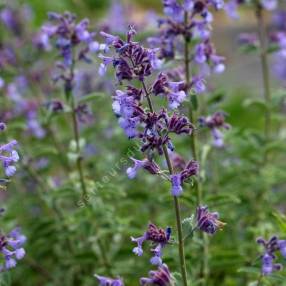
191, 169
146, 164
158, 236
198, 84
176, 181
174, 91
106, 281
8, 156
268, 266
208, 222
160, 277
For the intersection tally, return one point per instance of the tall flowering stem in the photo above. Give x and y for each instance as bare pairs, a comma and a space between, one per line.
74, 43
153, 128
176, 201
265, 68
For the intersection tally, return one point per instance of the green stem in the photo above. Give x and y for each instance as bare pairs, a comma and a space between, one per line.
176, 203
79, 158
265, 69
197, 186
70, 97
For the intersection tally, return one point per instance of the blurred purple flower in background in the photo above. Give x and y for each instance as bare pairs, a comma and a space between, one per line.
11, 247
215, 122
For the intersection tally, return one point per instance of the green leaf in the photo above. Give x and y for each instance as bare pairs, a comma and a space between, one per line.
91, 97
254, 102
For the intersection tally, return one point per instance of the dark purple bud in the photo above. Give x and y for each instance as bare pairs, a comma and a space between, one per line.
179, 125
160, 277
2, 126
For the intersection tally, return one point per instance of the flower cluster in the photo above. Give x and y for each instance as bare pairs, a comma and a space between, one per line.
268, 258
9, 156
190, 20
158, 236
11, 247
69, 34
215, 122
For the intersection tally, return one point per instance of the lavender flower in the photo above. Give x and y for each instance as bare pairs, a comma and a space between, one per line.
208, 222
174, 91
160, 277
106, 281
191, 169
146, 164
11, 247
158, 236
8, 156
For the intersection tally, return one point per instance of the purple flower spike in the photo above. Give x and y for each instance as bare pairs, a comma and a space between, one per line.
106, 281
160, 277
208, 222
